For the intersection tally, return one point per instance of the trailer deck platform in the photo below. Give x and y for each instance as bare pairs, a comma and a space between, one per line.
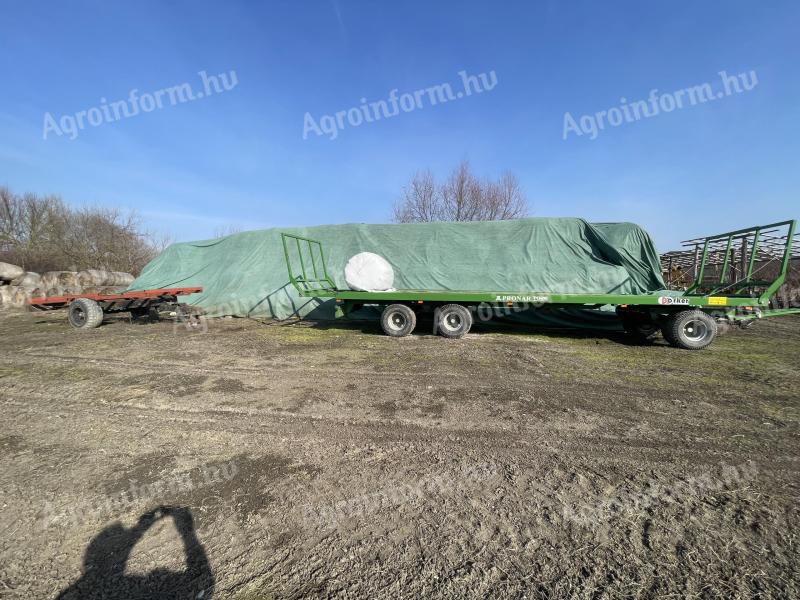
86, 310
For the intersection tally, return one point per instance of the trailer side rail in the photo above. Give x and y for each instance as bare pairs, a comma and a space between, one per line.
751, 262
44, 301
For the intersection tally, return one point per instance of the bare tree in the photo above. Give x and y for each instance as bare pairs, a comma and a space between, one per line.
462, 197
505, 199
420, 202
227, 230
41, 233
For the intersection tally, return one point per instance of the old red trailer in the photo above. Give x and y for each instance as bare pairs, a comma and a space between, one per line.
86, 310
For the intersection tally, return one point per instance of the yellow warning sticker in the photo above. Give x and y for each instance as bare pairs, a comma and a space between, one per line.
717, 300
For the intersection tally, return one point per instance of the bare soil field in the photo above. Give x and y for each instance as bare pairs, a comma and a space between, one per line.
289, 461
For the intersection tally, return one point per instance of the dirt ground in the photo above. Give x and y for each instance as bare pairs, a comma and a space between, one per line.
286, 461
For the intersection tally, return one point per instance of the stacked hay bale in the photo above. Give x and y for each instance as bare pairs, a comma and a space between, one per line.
9, 272
8, 293
18, 286
98, 278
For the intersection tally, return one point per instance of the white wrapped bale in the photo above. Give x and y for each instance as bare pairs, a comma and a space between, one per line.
368, 272
100, 278
9, 271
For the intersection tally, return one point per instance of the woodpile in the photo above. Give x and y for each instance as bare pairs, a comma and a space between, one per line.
18, 286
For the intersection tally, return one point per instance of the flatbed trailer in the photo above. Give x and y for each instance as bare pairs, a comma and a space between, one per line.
686, 319
85, 311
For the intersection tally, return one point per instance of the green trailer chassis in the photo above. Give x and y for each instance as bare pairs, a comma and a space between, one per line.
687, 320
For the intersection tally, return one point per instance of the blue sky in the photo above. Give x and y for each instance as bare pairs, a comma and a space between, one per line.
238, 158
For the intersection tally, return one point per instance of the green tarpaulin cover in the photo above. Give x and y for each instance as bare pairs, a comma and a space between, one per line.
245, 274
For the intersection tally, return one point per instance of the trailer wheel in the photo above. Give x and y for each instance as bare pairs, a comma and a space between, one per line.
453, 320
85, 313
690, 329
398, 320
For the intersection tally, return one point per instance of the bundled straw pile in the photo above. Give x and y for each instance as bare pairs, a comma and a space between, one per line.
18, 286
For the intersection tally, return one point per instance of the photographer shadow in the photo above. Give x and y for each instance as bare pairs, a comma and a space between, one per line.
106, 559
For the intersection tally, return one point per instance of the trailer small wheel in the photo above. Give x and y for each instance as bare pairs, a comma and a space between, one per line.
85, 313
453, 320
690, 329
398, 320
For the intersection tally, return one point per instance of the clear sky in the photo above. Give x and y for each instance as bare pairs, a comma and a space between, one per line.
239, 158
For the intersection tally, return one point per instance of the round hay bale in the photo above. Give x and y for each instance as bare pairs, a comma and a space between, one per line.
68, 279
121, 279
20, 298
6, 294
9, 271
101, 289
100, 278
90, 277
55, 291
50, 279
29, 279
60, 279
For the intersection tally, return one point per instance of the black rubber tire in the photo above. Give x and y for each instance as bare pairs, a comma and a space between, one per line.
398, 320
690, 329
85, 313
453, 321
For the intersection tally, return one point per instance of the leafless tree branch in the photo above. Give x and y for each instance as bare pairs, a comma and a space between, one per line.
461, 197
41, 233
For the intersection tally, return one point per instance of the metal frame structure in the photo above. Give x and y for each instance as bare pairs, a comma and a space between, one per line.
302, 281
735, 258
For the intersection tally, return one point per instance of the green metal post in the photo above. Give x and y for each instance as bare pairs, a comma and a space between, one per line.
324, 267
302, 262
726, 262
787, 256
753, 254
288, 261
313, 262
699, 278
